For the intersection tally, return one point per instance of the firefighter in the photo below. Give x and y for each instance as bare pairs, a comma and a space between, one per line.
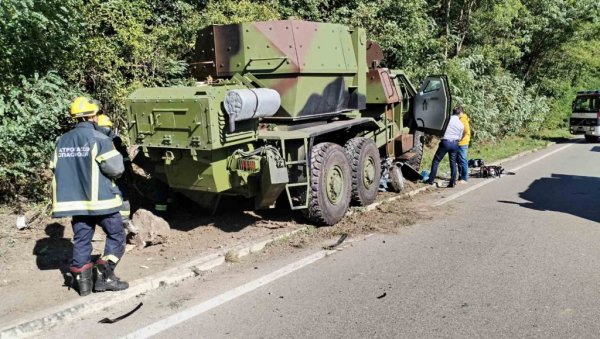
85, 163
161, 189
105, 125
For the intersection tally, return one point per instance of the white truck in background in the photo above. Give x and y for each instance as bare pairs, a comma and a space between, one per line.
585, 116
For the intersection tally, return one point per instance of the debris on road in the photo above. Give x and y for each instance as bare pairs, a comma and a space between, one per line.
151, 229
338, 243
112, 321
21, 224
382, 296
273, 224
231, 257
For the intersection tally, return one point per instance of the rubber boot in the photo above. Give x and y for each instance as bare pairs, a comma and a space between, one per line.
106, 280
83, 278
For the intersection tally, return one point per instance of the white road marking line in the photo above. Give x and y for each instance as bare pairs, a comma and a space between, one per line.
488, 181
225, 297
463, 192
540, 158
221, 299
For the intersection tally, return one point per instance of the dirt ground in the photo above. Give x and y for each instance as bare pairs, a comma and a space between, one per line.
33, 260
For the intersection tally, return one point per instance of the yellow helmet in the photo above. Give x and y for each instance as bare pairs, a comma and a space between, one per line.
104, 121
84, 107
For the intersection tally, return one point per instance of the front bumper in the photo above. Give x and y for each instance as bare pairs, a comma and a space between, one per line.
587, 130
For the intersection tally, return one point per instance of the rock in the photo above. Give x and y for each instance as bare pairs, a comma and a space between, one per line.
21, 224
151, 229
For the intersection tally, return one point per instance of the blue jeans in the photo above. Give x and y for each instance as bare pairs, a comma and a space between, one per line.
83, 230
463, 162
445, 146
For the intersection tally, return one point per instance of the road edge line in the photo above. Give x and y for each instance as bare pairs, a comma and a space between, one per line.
231, 294
79, 307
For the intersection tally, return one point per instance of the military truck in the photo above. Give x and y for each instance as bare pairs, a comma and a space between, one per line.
291, 111
585, 118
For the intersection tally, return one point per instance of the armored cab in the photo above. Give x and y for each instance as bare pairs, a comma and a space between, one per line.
292, 108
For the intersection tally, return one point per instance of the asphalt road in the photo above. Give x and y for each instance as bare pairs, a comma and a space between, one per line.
518, 257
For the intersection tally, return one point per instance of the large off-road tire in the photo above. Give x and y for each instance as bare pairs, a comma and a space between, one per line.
330, 188
591, 138
365, 164
418, 146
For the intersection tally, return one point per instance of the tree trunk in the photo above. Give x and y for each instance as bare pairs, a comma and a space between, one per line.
447, 4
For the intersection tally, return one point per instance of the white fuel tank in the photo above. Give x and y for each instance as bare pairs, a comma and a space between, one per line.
244, 104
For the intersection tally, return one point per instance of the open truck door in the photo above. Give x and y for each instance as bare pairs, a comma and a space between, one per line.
431, 105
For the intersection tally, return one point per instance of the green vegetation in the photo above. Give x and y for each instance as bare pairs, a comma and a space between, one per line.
514, 64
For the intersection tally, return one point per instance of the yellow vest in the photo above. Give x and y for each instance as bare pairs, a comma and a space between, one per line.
464, 118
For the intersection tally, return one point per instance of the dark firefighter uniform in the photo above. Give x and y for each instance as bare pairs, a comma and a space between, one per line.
106, 128
85, 163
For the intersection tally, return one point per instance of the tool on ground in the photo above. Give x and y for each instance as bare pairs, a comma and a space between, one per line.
338, 243
112, 321
491, 171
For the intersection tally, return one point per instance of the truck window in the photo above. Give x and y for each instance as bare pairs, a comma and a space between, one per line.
433, 85
586, 104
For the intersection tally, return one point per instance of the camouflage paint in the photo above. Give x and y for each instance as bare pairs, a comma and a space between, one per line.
315, 67
320, 70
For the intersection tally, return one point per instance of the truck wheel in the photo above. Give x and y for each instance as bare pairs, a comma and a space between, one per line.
330, 187
415, 161
591, 138
365, 164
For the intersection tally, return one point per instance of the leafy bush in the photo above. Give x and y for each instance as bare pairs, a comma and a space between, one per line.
515, 65
37, 36
33, 114
499, 104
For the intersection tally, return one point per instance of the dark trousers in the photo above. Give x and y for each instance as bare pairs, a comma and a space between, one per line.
445, 146
83, 230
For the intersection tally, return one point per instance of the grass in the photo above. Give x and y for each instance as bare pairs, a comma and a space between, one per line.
231, 256
491, 151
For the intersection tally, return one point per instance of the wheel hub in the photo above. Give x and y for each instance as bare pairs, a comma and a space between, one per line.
335, 184
369, 172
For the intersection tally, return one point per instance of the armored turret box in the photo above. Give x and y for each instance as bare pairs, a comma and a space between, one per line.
319, 69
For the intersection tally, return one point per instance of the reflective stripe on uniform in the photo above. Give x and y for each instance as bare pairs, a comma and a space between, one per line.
107, 155
126, 213
111, 258
160, 207
53, 191
86, 205
95, 174
54, 160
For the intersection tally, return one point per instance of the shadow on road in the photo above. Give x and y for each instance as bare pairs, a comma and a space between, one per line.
55, 251
571, 194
